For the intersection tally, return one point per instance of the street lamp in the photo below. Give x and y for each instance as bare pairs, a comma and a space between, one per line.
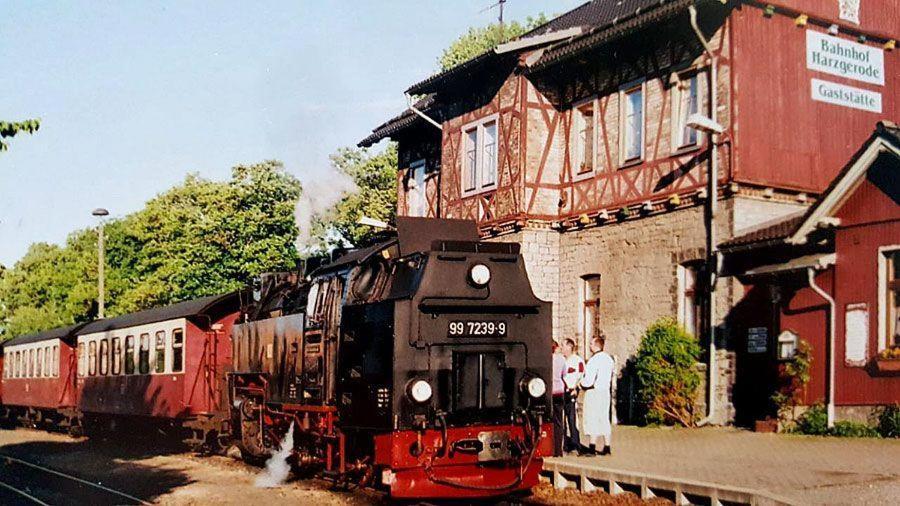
101, 263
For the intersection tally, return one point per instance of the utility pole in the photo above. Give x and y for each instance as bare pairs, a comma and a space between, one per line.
101, 264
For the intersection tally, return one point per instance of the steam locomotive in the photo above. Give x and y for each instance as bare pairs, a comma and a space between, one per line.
419, 365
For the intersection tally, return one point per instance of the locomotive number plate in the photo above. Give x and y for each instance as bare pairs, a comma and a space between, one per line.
469, 328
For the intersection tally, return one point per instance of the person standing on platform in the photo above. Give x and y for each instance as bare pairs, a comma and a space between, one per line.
559, 392
571, 378
597, 383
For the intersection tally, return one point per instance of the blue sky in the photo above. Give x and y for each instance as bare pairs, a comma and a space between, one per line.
134, 95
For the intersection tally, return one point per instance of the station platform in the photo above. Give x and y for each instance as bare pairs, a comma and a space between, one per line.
733, 466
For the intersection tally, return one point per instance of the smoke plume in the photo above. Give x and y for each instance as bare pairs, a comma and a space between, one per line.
277, 467
318, 197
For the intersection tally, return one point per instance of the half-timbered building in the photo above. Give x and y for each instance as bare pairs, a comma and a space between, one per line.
590, 140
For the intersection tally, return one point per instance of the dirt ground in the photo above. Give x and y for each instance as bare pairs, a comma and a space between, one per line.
171, 476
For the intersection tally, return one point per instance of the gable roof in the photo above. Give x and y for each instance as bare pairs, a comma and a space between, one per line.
885, 139
224, 304
588, 17
796, 228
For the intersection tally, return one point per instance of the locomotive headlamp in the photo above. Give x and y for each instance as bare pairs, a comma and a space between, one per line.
536, 387
479, 275
419, 390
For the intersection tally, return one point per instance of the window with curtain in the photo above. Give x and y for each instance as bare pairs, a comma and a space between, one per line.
686, 101
632, 124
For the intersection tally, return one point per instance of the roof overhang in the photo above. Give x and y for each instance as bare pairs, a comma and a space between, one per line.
538, 40
818, 262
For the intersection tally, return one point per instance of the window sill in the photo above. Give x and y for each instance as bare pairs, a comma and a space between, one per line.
472, 193
631, 163
581, 176
683, 150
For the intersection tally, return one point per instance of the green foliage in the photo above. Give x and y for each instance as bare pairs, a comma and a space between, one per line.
375, 177
480, 40
888, 421
847, 428
813, 421
666, 373
198, 238
794, 376
9, 129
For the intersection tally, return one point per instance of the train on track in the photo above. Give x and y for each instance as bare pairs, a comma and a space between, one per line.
418, 365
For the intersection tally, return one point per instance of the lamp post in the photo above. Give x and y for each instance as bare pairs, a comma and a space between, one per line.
101, 263
712, 128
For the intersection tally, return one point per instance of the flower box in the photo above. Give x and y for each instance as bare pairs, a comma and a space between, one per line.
887, 366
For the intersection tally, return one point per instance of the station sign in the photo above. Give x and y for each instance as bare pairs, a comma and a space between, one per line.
844, 58
847, 96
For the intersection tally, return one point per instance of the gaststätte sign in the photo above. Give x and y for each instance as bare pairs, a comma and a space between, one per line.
847, 96
844, 58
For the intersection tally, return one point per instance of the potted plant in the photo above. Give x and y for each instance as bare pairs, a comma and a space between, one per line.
888, 361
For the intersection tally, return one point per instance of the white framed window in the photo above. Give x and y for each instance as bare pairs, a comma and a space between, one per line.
888, 297
631, 124
584, 138
178, 350
82, 359
689, 302
39, 369
416, 202
56, 360
479, 170
159, 352
92, 358
686, 100
590, 307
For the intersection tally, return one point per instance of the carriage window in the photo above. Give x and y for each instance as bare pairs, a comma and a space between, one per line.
55, 360
144, 354
7, 365
92, 358
39, 370
81, 364
48, 361
18, 364
129, 355
160, 349
177, 350
116, 356
31, 363
104, 357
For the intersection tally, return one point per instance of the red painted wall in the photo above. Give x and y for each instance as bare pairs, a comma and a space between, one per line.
806, 314
869, 219
783, 138
50, 393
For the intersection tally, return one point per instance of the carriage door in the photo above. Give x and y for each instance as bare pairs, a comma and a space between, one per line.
415, 190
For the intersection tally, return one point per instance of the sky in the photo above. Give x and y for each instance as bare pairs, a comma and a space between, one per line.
132, 96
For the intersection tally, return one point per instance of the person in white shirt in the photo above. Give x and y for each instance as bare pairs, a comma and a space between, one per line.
573, 373
597, 383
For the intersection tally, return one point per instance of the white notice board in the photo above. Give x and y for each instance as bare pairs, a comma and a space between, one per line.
856, 334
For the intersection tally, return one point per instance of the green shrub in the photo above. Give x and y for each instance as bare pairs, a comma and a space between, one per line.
793, 376
889, 421
813, 422
852, 429
667, 380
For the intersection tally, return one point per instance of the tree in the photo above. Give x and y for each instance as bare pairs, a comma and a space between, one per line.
480, 40
198, 238
375, 177
9, 129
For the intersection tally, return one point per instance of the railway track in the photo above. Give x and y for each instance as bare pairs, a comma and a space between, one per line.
27, 483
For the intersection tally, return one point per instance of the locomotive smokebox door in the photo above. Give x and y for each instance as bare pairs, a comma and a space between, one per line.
494, 446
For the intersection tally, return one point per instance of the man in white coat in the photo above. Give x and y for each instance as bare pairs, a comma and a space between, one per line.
597, 384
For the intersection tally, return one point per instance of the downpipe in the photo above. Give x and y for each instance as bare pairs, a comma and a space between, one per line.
810, 274
712, 260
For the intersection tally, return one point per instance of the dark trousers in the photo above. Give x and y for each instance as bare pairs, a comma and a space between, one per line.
573, 438
559, 427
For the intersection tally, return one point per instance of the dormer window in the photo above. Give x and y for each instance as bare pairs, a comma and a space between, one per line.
479, 171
